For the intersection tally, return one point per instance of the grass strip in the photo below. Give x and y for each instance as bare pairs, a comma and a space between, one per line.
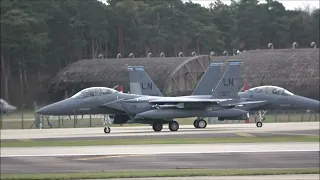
159, 173
40, 143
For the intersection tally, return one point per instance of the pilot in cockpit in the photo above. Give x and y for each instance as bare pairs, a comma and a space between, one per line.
276, 91
93, 91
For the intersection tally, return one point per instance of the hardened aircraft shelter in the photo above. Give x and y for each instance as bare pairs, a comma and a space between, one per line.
294, 69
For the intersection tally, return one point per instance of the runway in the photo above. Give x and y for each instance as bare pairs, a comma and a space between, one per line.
153, 157
160, 162
172, 135
217, 130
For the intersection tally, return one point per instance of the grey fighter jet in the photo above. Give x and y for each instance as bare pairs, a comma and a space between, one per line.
272, 97
276, 98
154, 110
6, 107
141, 83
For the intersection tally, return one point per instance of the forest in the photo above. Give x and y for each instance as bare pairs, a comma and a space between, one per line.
42, 37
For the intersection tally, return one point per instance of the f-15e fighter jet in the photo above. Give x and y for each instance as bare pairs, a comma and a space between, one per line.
155, 110
271, 97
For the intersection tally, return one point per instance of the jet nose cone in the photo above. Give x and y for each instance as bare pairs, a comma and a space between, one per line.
309, 104
52, 109
62, 108
44, 111
315, 105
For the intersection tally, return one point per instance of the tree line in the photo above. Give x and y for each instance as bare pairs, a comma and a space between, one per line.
44, 36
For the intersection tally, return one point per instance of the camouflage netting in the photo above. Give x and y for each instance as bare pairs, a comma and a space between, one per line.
294, 69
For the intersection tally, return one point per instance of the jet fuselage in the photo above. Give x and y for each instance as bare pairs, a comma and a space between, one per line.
279, 102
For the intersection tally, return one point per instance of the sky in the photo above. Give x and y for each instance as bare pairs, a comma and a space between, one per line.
288, 4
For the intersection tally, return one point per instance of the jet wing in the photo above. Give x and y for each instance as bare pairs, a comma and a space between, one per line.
247, 102
200, 103
185, 100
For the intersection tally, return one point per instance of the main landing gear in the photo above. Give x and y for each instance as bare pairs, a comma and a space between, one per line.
158, 126
259, 118
200, 123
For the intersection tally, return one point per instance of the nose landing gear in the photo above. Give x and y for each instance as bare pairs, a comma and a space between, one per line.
106, 122
107, 130
259, 118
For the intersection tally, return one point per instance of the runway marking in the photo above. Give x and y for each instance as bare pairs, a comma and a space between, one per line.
167, 152
244, 134
26, 140
112, 156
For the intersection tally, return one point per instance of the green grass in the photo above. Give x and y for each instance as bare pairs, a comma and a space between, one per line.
159, 173
30, 143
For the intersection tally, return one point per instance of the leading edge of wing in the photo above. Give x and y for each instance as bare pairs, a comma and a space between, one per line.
248, 102
186, 100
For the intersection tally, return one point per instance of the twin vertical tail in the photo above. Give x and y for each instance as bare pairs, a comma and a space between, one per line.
209, 80
228, 85
141, 83
225, 87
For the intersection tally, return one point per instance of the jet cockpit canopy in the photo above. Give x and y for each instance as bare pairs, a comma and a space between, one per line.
93, 91
271, 90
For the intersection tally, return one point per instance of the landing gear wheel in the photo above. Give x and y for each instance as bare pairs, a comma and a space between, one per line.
202, 123
196, 123
107, 130
173, 126
259, 124
157, 126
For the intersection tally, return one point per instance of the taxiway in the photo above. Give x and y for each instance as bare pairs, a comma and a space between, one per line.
132, 157
302, 128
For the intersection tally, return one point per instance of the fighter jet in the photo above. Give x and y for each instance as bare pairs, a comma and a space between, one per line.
272, 97
153, 110
6, 107
276, 98
140, 83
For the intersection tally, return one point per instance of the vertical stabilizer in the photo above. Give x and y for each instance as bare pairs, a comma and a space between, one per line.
141, 83
209, 80
228, 85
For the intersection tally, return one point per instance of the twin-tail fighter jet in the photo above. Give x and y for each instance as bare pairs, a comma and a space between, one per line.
140, 83
276, 98
155, 110
271, 97
5, 107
